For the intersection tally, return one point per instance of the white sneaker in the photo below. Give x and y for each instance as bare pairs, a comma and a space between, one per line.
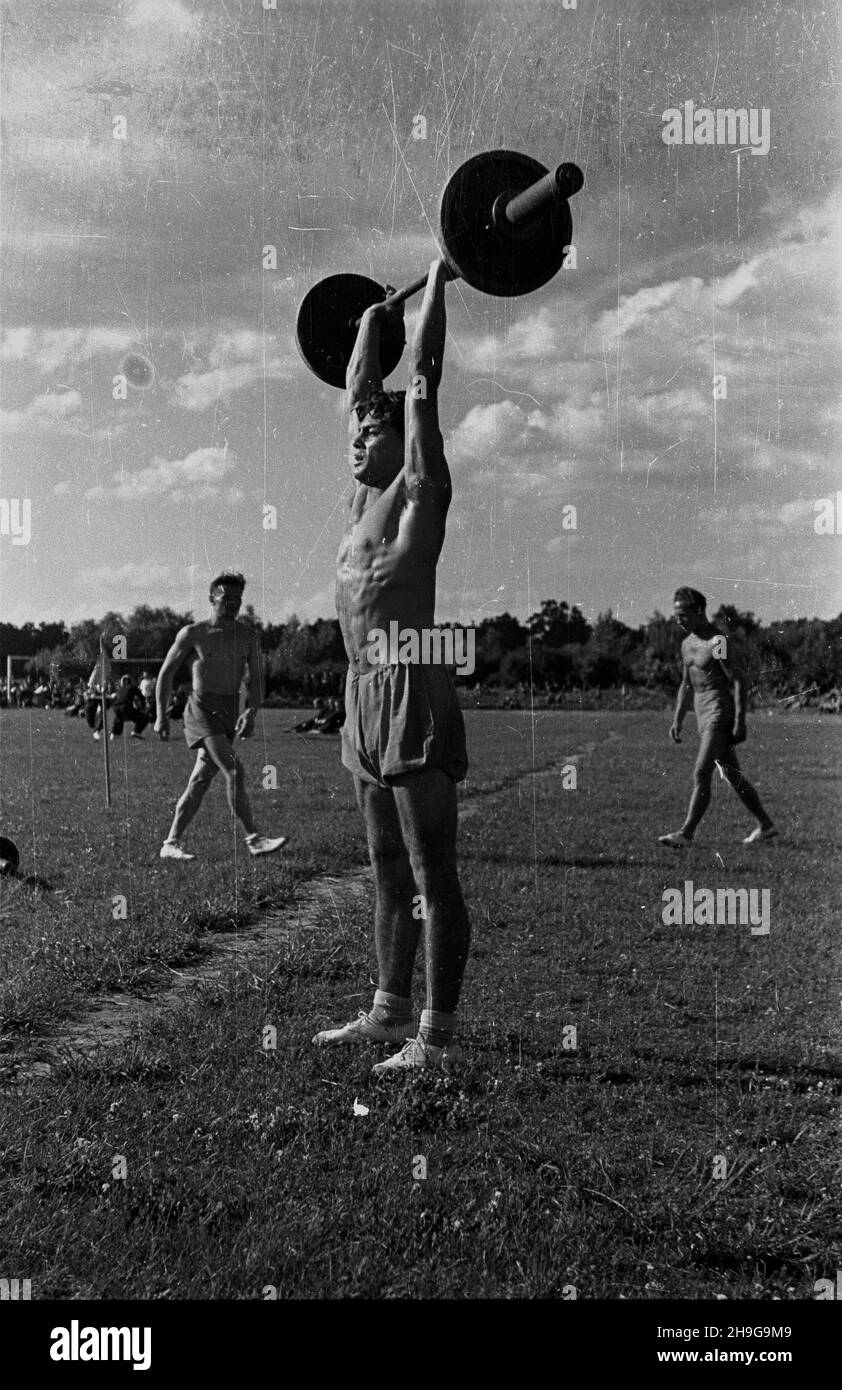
675, 840
133, 736
261, 844
758, 834
363, 1029
419, 1056
171, 849
96, 737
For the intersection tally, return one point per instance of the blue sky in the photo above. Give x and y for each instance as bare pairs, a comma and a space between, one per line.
294, 128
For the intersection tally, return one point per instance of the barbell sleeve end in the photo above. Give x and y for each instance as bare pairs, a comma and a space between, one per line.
561, 182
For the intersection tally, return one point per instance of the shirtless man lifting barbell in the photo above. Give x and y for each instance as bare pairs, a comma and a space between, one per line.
404, 736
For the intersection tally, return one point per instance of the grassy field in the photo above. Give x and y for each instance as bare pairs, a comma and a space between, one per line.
547, 1168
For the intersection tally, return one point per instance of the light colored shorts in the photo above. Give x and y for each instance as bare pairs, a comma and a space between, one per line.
402, 718
715, 712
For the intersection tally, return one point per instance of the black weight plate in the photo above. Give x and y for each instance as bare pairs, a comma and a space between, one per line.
490, 260
326, 332
9, 856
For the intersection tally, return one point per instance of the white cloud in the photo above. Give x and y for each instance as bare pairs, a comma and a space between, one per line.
49, 349
764, 519
197, 391
170, 14
652, 302
241, 345
571, 424
129, 577
488, 429
45, 412
508, 429
562, 543
797, 511
528, 340
235, 359
198, 477
731, 287
639, 394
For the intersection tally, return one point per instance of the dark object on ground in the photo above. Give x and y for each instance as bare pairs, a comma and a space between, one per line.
304, 727
9, 857
331, 723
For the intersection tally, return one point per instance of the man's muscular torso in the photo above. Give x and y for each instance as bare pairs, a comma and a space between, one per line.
386, 567
703, 668
219, 656
705, 672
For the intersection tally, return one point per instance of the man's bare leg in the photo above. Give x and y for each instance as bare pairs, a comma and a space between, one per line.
715, 748
217, 755
396, 931
221, 753
203, 773
737, 780
426, 806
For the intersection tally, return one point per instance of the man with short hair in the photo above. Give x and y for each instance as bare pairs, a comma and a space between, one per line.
147, 690
404, 737
128, 708
93, 700
218, 651
718, 695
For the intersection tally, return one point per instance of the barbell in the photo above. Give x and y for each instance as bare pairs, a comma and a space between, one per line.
505, 227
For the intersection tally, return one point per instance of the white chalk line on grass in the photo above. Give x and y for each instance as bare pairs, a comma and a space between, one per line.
112, 1019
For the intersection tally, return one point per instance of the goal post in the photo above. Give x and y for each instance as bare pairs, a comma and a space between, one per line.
11, 658
129, 665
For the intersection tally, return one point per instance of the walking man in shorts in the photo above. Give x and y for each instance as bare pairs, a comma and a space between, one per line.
718, 696
218, 652
404, 737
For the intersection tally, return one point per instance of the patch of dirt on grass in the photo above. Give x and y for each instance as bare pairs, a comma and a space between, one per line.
112, 1018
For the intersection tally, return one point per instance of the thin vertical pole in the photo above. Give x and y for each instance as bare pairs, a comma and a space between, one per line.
105, 667
105, 750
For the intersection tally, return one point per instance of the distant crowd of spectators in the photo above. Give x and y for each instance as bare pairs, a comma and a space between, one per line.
130, 702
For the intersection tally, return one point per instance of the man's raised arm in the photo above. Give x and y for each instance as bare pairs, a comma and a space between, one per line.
363, 375
426, 470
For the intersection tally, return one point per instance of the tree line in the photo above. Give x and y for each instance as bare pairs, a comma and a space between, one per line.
556, 648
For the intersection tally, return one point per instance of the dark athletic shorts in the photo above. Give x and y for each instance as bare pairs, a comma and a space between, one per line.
208, 716
402, 718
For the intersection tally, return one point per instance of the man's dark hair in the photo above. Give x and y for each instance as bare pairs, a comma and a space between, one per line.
387, 406
691, 597
229, 577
